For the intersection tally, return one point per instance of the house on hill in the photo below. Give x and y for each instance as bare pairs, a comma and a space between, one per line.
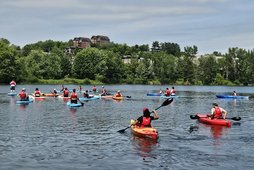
81, 42
100, 40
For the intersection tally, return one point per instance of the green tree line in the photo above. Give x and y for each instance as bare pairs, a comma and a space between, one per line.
163, 63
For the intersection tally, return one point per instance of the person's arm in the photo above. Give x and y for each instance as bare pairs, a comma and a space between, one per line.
136, 122
224, 113
156, 116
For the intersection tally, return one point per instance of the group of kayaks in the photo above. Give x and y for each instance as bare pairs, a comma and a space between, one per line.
50, 95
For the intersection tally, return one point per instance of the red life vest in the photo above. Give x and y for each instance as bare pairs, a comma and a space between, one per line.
74, 96
22, 95
146, 122
217, 113
173, 91
66, 93
94, 88
167, 93
118, 95
37, 93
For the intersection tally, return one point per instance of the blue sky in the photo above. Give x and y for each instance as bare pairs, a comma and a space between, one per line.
211, 25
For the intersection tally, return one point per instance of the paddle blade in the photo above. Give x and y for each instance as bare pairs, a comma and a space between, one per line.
167, 102
193, 116
236, 118
128, 97
123, 130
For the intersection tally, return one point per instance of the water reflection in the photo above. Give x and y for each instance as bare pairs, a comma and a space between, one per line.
144, 146
216, 131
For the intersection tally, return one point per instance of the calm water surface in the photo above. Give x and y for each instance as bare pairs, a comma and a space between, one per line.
49, 135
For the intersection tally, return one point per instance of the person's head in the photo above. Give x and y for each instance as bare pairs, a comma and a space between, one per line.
54, 89
74, 90
146, 112
167, 88
102, 86
23, 89
65, 88
215, 104
86, 91
36, 89
173, 88
118, 91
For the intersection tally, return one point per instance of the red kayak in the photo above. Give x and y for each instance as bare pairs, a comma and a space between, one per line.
203, 118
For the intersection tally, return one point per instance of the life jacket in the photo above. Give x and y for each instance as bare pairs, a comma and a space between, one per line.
37, 93
66, 93
74, 96
118, 95
167, 93
22, 95
217, 113
94, 88
13, 83
173, 92
146, 122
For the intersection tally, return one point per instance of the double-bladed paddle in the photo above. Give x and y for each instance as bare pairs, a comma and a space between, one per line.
237, 118
165, 103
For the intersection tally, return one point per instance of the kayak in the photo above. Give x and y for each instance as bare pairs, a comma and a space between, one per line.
37, 98
147, 132
90, 98
51, 95
117, 98
64, 98
73, 104
154, 94
107, 97
221, 122
231, 97
12, 94
24, 101
168, 97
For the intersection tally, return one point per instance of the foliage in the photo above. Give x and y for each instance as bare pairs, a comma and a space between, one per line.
48, 62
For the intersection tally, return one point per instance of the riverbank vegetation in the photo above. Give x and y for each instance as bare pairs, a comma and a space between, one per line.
48, 62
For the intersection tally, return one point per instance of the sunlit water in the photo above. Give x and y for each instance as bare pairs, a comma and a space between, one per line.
49, 135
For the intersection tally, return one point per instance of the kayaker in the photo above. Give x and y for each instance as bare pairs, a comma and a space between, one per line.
65, 92
86, 94
94, 89
167, 92
118, 94
218, 112
103, 91
80, 88
23, 95
74, 97
173, 92
234, 93
12, 86
146, 119
37, 93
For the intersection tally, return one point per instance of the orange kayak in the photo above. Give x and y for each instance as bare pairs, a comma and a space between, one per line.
51, 95
117, 98
147, 132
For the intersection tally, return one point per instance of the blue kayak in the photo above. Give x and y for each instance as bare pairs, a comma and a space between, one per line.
231, 97
12, 94
90, 98
154, 94
73, 104
24, 101
168, 97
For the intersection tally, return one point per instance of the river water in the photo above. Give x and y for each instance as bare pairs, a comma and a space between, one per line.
49, 135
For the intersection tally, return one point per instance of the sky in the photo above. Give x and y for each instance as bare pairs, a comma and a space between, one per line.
211, 25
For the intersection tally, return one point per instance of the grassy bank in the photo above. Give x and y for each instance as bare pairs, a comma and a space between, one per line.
64, 81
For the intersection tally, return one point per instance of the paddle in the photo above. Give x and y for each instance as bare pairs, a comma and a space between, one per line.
237, 118
165, 103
